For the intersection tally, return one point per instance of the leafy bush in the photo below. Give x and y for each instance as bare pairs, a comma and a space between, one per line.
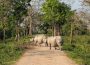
79, 49
11, 51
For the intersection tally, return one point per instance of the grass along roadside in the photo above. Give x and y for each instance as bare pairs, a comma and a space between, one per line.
79, 50
12, 50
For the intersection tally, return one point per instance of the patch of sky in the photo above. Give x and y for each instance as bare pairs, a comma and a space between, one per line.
77, 5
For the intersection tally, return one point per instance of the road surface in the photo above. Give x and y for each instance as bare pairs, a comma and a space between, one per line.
44, 56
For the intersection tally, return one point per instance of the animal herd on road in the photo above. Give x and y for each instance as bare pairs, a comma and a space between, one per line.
51, 41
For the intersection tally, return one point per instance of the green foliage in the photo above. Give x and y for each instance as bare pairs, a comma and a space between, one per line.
11, 13
20, 8
55, 12
79, 28
79, 50
66, 29
43, 27
11, 51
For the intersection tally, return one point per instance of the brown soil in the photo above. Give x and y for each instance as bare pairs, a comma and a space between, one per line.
44, 56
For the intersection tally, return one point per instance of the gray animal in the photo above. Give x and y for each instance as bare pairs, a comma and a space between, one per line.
38, 39
54, 41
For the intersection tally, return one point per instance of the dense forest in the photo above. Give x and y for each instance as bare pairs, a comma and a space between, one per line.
19, 22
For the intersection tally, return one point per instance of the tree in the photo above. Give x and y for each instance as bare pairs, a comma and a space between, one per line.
77, 26
11, 17
30, 14
19, 10
5, 8
56, 13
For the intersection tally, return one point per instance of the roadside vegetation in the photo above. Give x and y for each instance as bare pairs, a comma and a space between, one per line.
19, 22
74, 30
79, 50
12, 50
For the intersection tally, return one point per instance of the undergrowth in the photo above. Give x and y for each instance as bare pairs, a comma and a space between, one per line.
11, 50
79, 50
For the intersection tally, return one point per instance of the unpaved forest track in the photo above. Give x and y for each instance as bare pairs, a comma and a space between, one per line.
44, 56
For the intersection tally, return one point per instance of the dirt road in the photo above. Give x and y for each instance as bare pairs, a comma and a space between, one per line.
44, 56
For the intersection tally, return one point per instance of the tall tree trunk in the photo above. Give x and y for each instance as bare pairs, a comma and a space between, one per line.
24, 32
30, 12
71, 34
17, 37
17, 32
30, 26
4, 31
52, 30
56, 30
12, 33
